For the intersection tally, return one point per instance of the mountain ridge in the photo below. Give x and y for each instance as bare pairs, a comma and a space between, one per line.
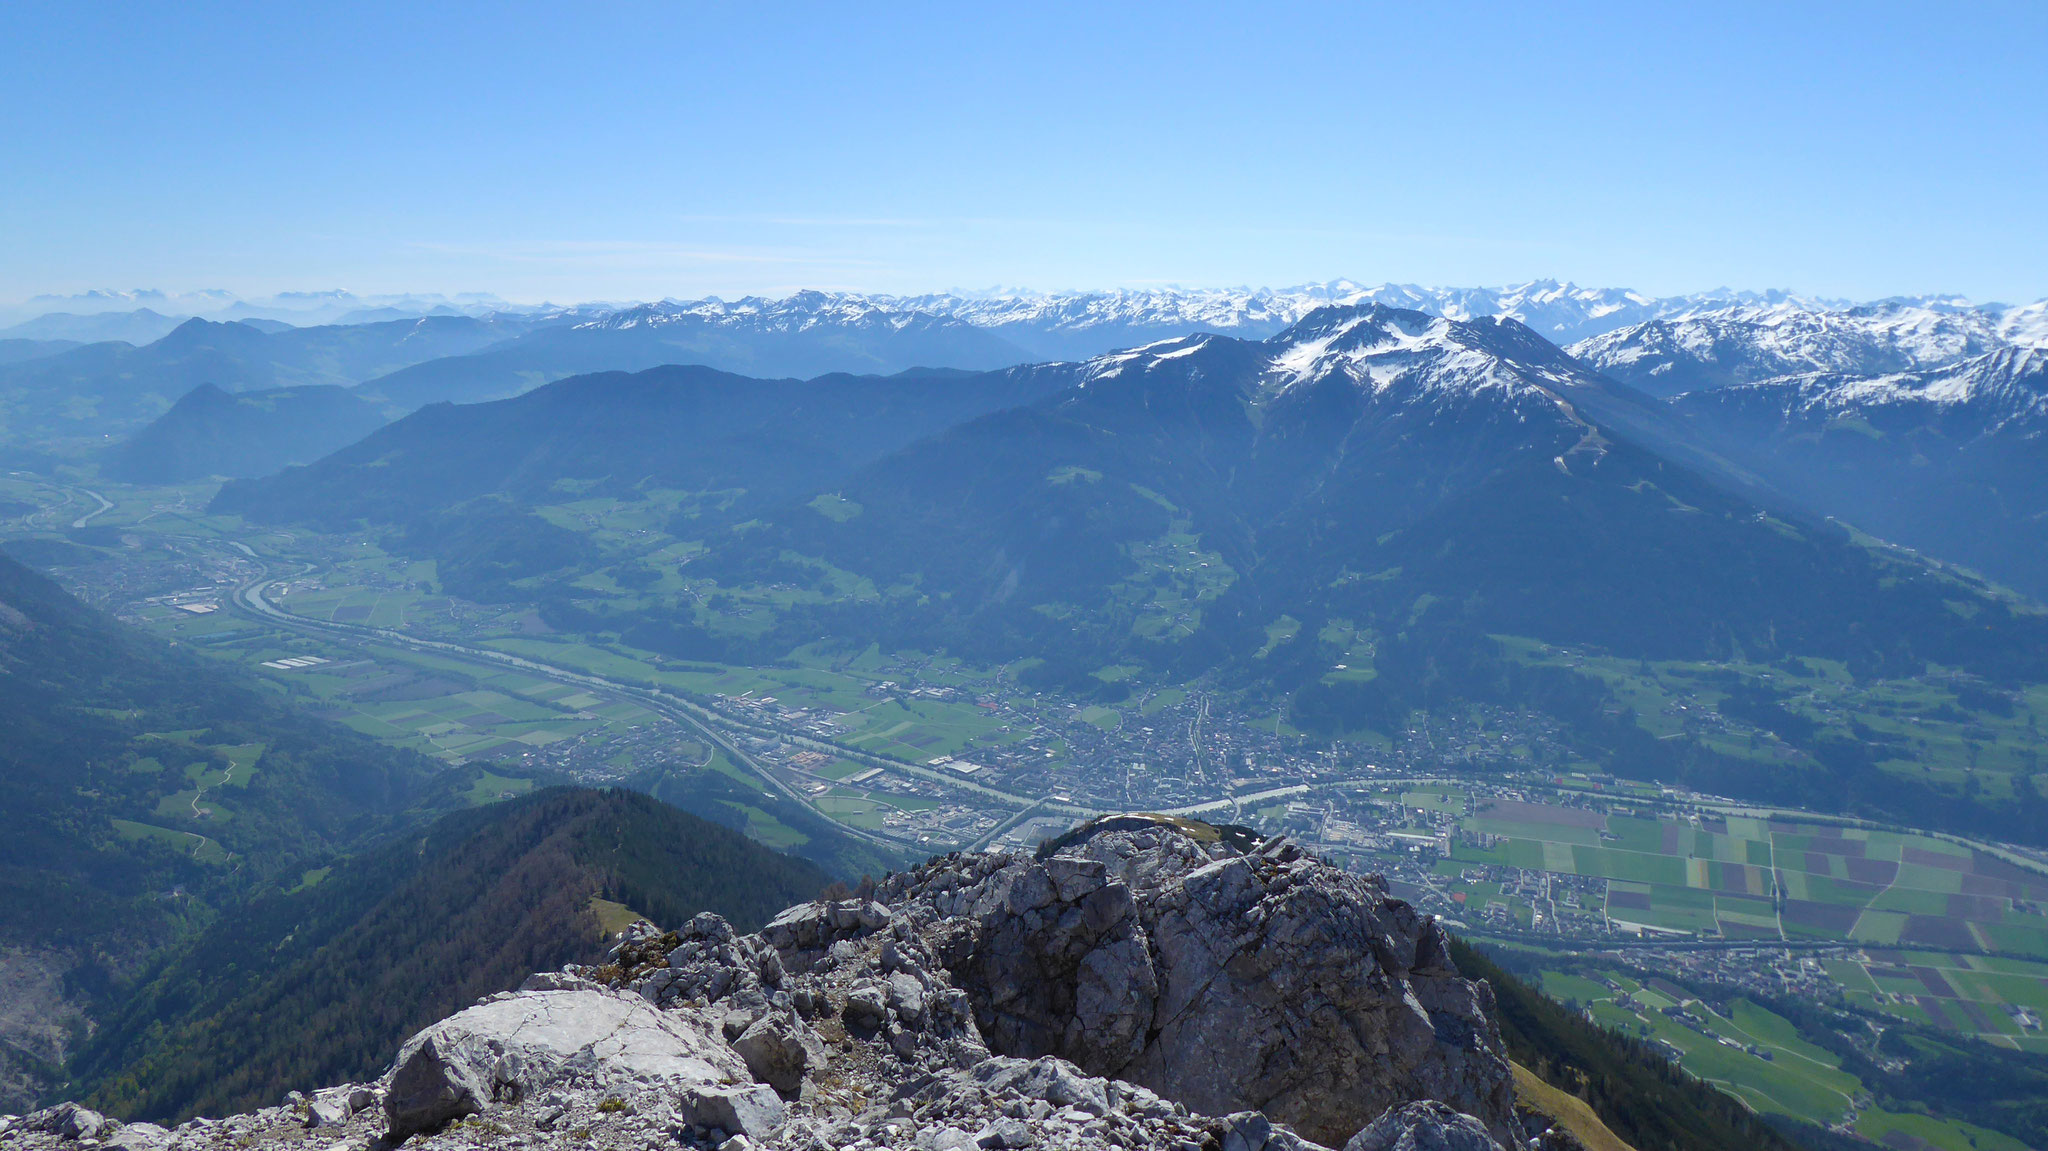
107, 388
406, 932
89, 393
1948, 459
252, 433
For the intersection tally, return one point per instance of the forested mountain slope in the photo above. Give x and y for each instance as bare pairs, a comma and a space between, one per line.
145, 790
320, 985
1370, 466
1952, 461
139, 777
210, 432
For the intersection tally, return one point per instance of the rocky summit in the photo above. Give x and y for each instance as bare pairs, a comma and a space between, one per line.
1141, 983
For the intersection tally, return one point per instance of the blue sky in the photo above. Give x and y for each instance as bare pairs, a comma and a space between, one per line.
573, 152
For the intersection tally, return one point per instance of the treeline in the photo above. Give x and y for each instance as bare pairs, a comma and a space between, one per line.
1913, 1069
1640, 1095
320, 986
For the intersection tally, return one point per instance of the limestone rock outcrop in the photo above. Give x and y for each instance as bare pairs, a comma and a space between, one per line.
1265, 981
1425, 1125
1142, 985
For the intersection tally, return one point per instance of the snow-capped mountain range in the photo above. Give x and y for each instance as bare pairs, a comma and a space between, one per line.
1077, 325
1663, 346
1744, 343
1394, 355
1619, 331
2003, 390
800, 312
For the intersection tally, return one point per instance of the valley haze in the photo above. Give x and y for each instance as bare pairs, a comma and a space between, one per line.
827, 578
1687, 652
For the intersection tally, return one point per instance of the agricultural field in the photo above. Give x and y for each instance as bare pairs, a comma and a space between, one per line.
396, 603
200, 847
453, 710
460, 711
1755, 878
40, 504
1756, 1055
872, 810
839, 696
1999, 1000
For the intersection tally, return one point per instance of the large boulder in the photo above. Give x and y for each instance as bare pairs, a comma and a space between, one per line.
67, 1121
751, 1110
515, 1045
1426, 1125
778, 1050
139, 1137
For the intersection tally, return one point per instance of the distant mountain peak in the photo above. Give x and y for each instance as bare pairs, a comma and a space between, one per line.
1411, 355
1724, 344
1395, 355
798, 312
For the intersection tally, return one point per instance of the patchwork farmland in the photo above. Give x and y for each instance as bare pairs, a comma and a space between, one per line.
1754, 878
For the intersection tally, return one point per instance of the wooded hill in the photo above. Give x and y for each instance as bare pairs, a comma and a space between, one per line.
320, 986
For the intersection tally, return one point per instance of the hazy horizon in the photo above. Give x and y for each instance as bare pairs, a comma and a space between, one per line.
204, 302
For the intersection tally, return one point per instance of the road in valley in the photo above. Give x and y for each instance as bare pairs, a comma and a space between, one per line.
250, 598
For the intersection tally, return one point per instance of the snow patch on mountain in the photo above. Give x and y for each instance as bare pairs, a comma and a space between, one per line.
1746, 343
2026, 326
1410, 356
2006, 390
1144, 358
802, 311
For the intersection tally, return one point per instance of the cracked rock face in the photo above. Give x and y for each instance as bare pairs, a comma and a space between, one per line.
1227, 982
1139, 988
515, 1046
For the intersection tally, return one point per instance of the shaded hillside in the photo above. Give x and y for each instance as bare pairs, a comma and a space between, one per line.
1378, 468
146, 790
1953, 461
214, 433
15, 351
105, 389
133, 770
321, 985
1630, 1085
686, 428
808, 334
